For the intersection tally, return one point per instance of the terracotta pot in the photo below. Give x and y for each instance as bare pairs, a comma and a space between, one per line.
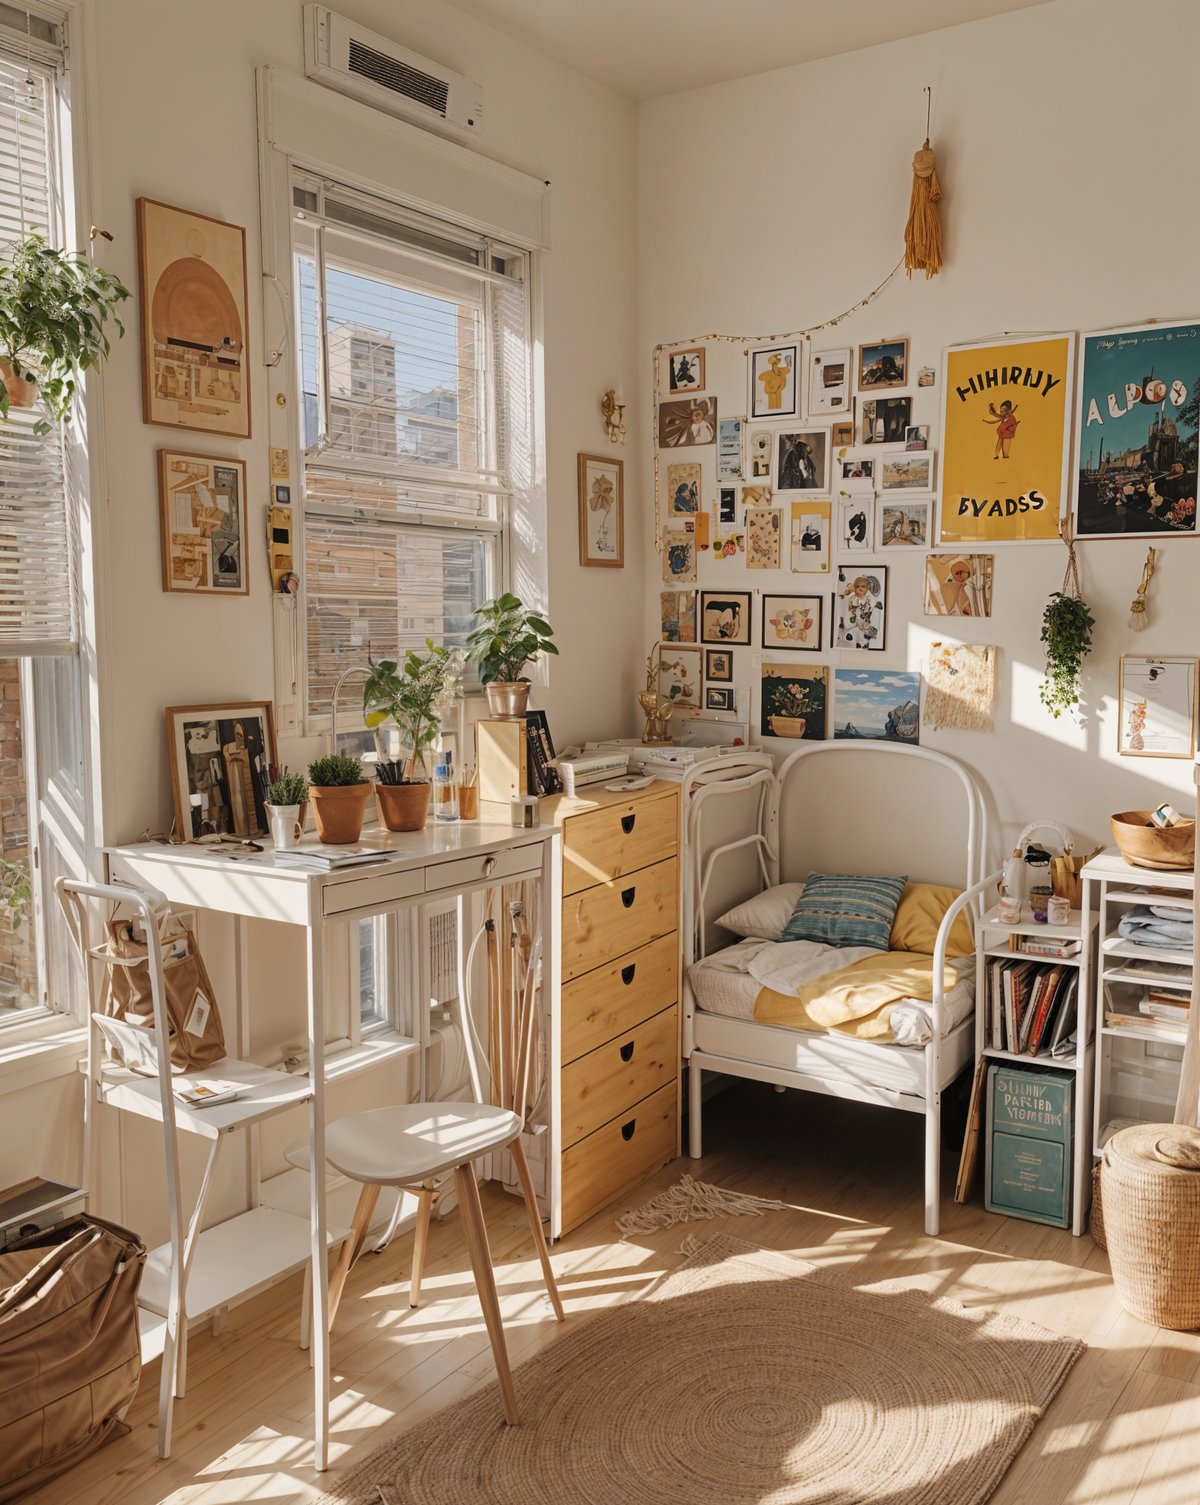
339, 811
21, 393
508, 698
788, 726
403, 807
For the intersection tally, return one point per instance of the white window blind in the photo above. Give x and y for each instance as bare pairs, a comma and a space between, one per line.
38, 583
415, 372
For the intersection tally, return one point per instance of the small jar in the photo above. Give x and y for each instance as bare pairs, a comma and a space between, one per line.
1059, 910
1009, 912
445, 793
1039, 902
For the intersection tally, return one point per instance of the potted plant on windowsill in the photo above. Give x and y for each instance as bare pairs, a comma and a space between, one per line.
55, 307
339, 791
414, 695
508, 636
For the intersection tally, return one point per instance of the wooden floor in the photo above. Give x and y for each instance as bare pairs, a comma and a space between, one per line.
1125, 1429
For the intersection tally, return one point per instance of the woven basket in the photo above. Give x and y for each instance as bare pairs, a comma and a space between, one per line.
1150, 1180
1096, 1220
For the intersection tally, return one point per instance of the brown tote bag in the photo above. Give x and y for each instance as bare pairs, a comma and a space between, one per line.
70, 1357
193, 1019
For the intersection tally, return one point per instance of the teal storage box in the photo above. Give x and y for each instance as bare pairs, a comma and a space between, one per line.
1029, 1129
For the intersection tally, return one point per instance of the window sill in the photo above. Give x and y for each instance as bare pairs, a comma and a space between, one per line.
40, 1051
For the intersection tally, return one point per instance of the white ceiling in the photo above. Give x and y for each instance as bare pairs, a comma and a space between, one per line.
648, 47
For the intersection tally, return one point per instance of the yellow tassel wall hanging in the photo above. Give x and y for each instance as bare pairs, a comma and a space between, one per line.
923, 232
1138, 616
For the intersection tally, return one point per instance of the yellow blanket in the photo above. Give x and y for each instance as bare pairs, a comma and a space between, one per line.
857, 1000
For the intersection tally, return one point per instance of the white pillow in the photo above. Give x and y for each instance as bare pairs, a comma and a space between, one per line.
764, 917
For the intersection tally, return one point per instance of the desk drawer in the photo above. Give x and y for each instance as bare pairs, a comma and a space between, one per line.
383, 889
514, 862
605, 922
600, 1167
606, 844
603, 1084
612, 999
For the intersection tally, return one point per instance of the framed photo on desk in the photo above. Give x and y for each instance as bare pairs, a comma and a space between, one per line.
221, 760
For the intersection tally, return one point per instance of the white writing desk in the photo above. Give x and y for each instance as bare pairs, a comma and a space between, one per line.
454, 858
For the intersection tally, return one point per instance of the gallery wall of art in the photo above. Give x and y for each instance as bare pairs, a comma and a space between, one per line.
853, 551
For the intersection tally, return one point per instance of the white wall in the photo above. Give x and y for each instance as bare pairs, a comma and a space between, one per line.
1064, 143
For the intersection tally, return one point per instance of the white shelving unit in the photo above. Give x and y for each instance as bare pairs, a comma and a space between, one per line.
1137, 1065
993, 938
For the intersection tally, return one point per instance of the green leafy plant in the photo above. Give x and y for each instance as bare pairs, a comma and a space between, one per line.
508, 637
16, 890
1067, 633
55, 307
335, 771
415, 695
287, 789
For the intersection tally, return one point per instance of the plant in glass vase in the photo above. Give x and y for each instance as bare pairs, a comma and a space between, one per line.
414, 695
508, 636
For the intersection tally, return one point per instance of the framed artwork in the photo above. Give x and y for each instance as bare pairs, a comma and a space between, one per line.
685, 370
221, 757
683, 490
762, 449
906, 471
811, 527
601, 511
855, 475
718, 665
881, 705
803, 461
764, 538
729, 449
829, 382
679, 677
678, 614
1135, 455
725, 617
794, 701
773, 378
1158, 708
679, 556
860, 609
904, 524
1005, 425
841, 433
719, 698
916, 436
856, 515
883, 365
202, 515
688, 422
194, 299
883, 420
958, 585
793, 622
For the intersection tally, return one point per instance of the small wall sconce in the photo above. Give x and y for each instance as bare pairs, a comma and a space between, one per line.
612, 406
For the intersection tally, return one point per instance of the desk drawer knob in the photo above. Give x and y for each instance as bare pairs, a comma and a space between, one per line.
628, 895
627, 823
627, 1051
489, 867
628, 972
627, 1129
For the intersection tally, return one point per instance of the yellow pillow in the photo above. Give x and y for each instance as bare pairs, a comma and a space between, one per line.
921, 910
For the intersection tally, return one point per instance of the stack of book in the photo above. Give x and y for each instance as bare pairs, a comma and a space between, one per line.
1158, 1009
539, 754
328, 859
1031, 1004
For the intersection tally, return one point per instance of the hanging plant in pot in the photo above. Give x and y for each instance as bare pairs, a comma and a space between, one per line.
506, 638
55, 309
414, 696
1067, 624
339, 791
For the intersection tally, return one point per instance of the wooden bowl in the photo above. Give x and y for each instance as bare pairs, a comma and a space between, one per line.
1145, 845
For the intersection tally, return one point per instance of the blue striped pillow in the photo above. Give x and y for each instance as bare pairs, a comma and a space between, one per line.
838, 909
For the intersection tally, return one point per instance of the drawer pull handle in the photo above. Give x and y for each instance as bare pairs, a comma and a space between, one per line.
627, 973
627, 1129
627, 823
627, 1051
489, 867
628, 895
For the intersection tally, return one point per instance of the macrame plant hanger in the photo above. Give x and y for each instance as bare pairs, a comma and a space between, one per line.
1070, 586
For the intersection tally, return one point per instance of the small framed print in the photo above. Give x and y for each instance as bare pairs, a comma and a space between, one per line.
883, 420
1157, 700
856, 475
718, 698
727, 505
725, 617
685, 370
773, 380
202, 512
683, 490
882, 365
679, 677
916, 437
803, 461
794, 622
841, 434
860, 608
718, 666
221, 757
793, 701
601, 511
906, 471
829, 383
904, 524
856, 524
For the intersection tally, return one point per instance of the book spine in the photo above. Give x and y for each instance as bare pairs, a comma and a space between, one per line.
536, 759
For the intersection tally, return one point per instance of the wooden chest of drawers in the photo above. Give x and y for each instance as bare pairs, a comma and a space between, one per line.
619, 1084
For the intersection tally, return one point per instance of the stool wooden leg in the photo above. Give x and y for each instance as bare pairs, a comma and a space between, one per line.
535, 1222
352, 1247
471, 1210
425, 1198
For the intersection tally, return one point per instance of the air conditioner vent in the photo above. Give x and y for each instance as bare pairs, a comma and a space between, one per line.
391, 73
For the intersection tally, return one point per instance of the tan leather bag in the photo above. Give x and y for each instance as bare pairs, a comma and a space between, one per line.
193, 1019
70, 1357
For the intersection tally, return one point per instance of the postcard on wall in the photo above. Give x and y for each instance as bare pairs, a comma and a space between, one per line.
679, 677
764, 536
958, 585
692, 421
725, 618
884, 419
810, 541
803, 461
762, 452
756, 496
678, 616
881, 705
679, 556
1158, 707
906, 471
683, 490
192, 274
860, 608
855, 475
916, 436
729, 449
221, 757
718, 665
856, 524
685, 370
829, 382
727, 504
773, 382
1135, 461
1006, 419
728, 543
841, 434
202, 511
794, 622
884, 364
794, 700
906, 524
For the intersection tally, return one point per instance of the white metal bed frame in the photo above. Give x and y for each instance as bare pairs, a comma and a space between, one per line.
804, 1059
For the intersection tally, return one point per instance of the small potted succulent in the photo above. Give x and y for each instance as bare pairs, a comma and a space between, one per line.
508, 636
414, 695
287, 808
339, 791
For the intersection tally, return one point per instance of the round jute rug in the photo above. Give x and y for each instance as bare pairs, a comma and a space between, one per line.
742, 1378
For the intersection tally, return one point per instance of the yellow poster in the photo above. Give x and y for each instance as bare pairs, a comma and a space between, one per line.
1005, 440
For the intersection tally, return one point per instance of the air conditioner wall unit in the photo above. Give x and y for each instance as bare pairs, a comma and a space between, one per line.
347, 57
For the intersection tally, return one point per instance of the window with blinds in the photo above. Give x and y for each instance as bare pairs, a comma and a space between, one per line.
415, 380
